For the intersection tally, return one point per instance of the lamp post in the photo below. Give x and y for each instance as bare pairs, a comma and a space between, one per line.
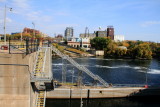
21, 35
5, 12
34, 29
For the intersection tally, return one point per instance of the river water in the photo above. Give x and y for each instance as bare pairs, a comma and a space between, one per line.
115, 71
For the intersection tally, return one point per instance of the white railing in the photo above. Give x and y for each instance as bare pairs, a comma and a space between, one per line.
44, 61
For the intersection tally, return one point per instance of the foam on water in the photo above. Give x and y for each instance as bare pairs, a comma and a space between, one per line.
154, 71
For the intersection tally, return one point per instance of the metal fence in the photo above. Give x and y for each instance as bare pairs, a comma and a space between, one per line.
26, 46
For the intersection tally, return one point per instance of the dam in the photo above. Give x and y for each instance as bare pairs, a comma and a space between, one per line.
26, 80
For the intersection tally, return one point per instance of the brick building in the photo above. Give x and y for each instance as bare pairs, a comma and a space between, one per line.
110, 32
31, 31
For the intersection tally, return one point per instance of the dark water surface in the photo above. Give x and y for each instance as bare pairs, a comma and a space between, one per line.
115, 71
120, 102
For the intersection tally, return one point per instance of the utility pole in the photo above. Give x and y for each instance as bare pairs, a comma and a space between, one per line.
5, 10
21, 35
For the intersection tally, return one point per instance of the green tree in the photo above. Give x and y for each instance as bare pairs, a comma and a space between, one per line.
157, 52
99, 43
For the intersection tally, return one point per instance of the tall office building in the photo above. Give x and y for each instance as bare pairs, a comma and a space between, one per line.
68, 33
110, 32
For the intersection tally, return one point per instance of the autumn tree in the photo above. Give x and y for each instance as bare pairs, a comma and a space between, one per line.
143, 51
110, 49
8, 36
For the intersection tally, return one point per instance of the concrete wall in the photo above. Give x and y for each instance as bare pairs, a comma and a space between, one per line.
97, 52
15, 87
92, 93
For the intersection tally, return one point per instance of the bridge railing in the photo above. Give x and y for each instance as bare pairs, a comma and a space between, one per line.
80, 67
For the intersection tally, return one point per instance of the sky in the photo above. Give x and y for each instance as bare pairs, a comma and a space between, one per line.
135, 19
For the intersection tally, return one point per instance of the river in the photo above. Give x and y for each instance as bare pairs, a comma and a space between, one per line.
115, 71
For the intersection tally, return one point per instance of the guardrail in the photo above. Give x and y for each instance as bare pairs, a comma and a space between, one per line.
26, 46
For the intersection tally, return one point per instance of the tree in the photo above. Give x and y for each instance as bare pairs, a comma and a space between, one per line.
99, 43
120, 52
16, 36
7, 36
110, 49
125, 44
142, 51
26, 35
157, 52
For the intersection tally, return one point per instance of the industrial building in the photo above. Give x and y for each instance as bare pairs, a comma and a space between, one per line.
119, 38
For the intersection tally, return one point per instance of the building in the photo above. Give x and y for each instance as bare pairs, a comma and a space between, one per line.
69, 33
101, 33
1, 37
79, 42
15, 33
85, 43
118, 38
110, 32
31, 31
59, 38
90, 35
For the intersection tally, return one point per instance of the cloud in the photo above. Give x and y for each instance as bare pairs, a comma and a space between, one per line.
21, 3
2, 0
38, 16
150, 23
8, 20
62, 14
26, 9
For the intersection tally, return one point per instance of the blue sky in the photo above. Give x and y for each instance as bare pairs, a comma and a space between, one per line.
135, 19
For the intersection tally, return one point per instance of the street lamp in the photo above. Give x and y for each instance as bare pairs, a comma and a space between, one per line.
34, 28
5, 10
